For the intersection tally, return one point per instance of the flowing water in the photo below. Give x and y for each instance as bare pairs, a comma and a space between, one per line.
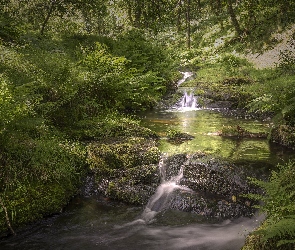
93, 222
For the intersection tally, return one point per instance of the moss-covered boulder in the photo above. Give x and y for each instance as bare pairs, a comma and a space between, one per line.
125, 170
216, 187
178, 137
284, 135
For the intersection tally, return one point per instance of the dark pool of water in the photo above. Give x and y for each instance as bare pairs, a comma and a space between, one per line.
94, 223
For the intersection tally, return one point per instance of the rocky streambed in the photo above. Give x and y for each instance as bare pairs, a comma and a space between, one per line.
128, 171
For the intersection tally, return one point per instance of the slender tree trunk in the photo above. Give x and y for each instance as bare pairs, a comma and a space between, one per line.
51, 8
233, 17
218, 12
188, 24
251, 17
6, 217
138, 12
199, 4
178, 21
129, 12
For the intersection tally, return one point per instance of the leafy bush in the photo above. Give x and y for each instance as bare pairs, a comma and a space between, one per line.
278, 230
111, 83
233, 64
143, 54
287, 60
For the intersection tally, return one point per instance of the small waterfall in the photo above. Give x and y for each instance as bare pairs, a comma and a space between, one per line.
185, 76
188, 101
160, 200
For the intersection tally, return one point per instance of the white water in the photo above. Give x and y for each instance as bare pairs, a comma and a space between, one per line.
185, 76
159, 201
145, 234
188, 102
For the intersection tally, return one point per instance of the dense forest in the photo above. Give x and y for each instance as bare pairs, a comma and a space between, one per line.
75, 72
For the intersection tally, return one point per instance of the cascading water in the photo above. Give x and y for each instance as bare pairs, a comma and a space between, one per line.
189, 100
93, 222
159, 201
186, 75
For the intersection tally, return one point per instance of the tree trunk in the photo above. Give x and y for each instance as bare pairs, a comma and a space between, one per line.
251, 17
6, 217
218, 12
138, 12
188, 24
129, 12
199, 5
178, 21
51, 8
233, 17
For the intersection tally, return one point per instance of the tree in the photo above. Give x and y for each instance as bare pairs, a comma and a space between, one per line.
188, 24
38, 13
231, 12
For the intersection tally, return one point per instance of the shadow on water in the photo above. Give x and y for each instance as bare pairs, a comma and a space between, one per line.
93, 223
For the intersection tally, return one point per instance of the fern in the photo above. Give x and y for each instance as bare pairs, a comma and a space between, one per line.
283, 229
278, 203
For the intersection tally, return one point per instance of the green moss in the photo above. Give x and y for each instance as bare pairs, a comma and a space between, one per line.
31, 202
125, 170
38, 178
122, 154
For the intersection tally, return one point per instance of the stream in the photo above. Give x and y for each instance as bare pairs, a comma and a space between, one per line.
91, 221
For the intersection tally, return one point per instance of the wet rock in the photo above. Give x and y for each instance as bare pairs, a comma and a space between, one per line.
177, 137
212, 187
284, 135
216, 187
125, 170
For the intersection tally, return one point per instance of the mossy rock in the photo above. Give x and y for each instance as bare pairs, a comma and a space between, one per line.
125, 170
238, 81
122, 154
29, 203
134, 186
284, 135
215, 186
177, 137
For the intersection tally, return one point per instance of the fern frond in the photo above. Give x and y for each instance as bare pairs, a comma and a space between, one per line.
283, 229
284, 242
288, 109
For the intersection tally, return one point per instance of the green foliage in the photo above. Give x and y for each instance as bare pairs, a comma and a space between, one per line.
233, 64
278, 204
273, 93
112, 83
173, 133
109, 125
287, 59
143, 54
